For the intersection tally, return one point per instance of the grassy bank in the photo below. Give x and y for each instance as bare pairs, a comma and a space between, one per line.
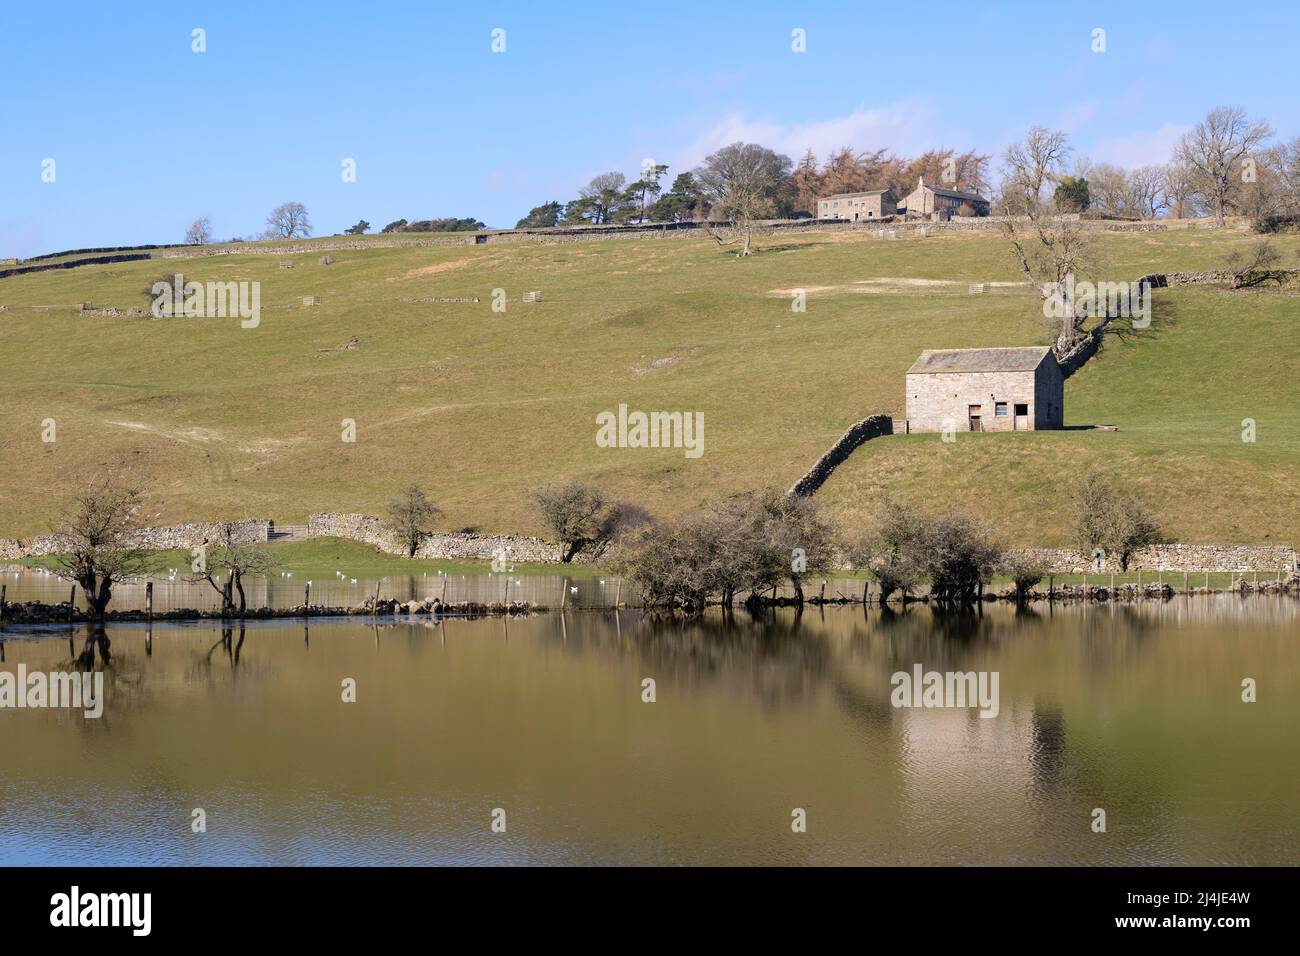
480, 406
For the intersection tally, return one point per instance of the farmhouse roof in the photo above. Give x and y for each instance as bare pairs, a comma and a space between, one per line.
945, 191
869, 192
938, 361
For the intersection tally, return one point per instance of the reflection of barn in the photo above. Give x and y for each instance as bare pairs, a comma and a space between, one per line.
985, 390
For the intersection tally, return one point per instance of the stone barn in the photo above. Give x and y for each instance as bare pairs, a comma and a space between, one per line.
985, 390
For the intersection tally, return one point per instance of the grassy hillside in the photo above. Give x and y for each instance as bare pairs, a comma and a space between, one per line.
480, 406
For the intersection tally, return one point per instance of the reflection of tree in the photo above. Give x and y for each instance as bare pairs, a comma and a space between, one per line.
773, 655
96, 640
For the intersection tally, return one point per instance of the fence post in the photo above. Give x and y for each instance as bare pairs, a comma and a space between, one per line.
148, 600
72, 602
5, 587
306, 599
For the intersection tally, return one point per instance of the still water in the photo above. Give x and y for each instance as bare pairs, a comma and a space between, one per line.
288, 590
1133, 709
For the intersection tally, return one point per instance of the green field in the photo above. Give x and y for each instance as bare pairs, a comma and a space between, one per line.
217, 421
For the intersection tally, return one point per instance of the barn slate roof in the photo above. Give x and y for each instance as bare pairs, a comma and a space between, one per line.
1020, 359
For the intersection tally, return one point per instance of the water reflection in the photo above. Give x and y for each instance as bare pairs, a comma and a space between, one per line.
1136, 709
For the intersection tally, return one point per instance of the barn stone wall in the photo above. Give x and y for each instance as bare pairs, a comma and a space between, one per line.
933, 397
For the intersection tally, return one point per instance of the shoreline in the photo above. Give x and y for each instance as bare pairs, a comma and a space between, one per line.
35, 613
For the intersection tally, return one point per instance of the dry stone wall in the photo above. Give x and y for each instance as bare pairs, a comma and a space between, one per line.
443, 545
1173, 557
173, 536
871, 427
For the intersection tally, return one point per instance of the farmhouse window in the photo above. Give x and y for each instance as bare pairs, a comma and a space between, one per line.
1000, 409
1022, 408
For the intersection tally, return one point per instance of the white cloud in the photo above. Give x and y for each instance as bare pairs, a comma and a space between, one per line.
905, 127
1139, 149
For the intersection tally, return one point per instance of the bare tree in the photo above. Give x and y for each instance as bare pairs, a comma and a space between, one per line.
800, 540
1106, 518
410, 514
100, 534
1287, 164
742, 183
1217, 151
288, 221
1255, 267
1033, 166
894, 551
1147, 196
1025, 572
1179, 185
237, 558
1110, 189
199, 233
961, 556
1050, 245
740, 544
576, 514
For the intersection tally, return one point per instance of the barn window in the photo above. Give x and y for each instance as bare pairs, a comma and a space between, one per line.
1000, 409
1022, 408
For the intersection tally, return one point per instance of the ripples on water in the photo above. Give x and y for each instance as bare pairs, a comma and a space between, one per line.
1135, 709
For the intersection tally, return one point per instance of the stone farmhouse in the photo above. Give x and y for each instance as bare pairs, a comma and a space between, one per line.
938, 202
872, 204
985, 390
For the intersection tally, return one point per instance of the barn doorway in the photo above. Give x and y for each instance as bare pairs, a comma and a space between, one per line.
973, 416
1022, 416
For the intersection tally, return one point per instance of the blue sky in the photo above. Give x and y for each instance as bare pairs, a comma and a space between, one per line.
148, 135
